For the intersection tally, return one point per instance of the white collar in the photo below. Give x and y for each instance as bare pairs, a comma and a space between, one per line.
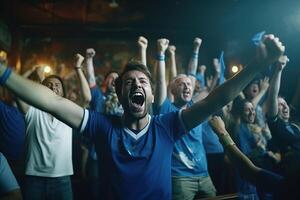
141, 133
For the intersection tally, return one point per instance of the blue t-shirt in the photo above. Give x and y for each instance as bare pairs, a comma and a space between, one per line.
97, 101
134, 166
12, 131
8, 181
210, 139
189, 157
201, 79
245, 139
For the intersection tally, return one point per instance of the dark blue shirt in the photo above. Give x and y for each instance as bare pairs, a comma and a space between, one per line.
134, 166
12, 131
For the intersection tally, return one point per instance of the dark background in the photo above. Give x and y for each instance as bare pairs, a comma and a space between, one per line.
222, 24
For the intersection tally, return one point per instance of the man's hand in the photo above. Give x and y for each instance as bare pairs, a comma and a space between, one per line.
172, 49
264, 83
282, 61
90, 53
218, 125
269, 50
197, 43
162, 45
202, 69
78, 60
142, 42
217, 66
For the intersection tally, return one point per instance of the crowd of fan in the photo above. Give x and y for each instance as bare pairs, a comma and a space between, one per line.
116, 155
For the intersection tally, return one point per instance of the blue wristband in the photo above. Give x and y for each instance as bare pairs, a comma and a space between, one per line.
195, 55
5, 76
160, 57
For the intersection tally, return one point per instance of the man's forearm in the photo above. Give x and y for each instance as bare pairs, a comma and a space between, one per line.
220, 96
43, 98
272, 101
90, 72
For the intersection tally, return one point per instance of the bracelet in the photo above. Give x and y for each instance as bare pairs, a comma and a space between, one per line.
195, 55
160, 57
226, 140
5, 76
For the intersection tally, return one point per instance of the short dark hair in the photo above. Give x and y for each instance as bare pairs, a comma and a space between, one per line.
58, 78
132, 65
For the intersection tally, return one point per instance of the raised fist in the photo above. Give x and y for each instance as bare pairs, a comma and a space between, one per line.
78, 60
270, 50
197, 42
142, 42
90, 53
172, 49
162, 44
217, 124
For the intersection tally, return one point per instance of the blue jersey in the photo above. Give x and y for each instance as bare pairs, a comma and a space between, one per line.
245, 139
134, 165
188, 158
210, 139
12, 131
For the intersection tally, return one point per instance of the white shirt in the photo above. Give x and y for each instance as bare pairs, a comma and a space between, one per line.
48, 145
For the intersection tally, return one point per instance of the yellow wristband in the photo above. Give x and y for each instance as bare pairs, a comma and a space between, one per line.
226, 140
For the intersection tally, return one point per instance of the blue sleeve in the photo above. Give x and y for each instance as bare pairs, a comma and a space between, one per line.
171, 124
8, 181
166, 107
97, 123
97, 100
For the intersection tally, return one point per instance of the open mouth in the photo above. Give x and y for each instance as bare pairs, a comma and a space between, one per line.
137, 100
186, 93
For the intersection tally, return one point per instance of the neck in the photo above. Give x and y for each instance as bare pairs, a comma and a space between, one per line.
135, 124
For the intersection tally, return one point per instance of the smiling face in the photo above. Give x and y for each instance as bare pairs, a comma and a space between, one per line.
283, 109
248, 113
55, 85
182, 89
136, 94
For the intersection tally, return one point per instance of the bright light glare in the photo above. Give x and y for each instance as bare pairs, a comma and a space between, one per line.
234, 69
47, 69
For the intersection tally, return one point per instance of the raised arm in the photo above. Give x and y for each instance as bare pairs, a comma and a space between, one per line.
272, 100
268, 52
90, 53
23, 107
216, 77
42, 97
193, 64
143, 44
84, 86
247, 169
263, 85
161, 86
173, 70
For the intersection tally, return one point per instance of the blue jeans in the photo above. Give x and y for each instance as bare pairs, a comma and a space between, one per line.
37, 188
